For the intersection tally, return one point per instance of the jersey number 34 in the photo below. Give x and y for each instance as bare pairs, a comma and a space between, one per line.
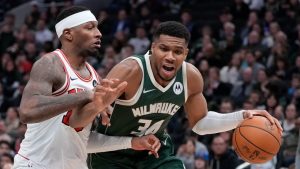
146, 128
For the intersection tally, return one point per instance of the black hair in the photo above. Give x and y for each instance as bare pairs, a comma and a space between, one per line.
172, 28
69, 11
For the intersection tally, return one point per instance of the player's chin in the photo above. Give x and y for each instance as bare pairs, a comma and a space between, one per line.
93, 51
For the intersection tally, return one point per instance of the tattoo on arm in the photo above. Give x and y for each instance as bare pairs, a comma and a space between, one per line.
37, 102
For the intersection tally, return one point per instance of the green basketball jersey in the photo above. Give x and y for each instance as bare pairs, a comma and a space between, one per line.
150, 110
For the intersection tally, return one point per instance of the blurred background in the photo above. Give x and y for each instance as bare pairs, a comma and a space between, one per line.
246, 50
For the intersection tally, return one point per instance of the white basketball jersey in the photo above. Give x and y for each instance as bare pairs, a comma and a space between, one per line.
53, 143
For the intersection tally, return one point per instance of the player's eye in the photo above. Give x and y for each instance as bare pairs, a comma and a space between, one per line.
178, 52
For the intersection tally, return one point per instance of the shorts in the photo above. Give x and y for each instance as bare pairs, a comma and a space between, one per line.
131, 159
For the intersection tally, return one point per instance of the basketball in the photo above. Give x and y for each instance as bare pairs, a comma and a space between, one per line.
256, 140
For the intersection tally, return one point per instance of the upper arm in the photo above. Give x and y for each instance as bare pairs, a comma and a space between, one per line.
129, 71
41, 79
195, 106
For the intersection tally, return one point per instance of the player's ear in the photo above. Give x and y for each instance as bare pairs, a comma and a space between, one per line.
67, 34
186, 52
152, 46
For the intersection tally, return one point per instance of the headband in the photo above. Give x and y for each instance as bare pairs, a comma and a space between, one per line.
74, 20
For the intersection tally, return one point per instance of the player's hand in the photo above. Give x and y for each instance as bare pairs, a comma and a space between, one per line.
273, 120
105, 93
148, 142
105, 114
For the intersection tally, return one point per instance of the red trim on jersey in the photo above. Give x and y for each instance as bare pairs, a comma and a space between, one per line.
96, 74
88, 79
64, 89
23, 156
66, 118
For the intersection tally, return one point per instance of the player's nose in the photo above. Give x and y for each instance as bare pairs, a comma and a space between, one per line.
98, 34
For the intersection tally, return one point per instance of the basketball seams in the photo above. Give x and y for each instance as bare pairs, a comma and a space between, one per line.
253, 143
237, 146
263, 130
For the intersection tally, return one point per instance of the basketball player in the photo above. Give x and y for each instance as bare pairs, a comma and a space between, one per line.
159, 83
59, 82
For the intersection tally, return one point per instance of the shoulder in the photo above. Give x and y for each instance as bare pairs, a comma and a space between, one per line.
194, 79
46, 64
48, 59
126, 70
130, 65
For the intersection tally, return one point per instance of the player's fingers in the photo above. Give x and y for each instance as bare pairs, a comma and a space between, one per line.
106, 82
277, 123
102, 89
115, 80
248, 114
154, 153
105, 120
268, 116
121, 87
155, 142
157, 148
109, 110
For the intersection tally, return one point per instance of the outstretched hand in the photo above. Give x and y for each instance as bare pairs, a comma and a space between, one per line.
273, 120
148, 142
105, 93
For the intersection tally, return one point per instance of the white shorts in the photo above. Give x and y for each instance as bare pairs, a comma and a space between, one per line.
21, 162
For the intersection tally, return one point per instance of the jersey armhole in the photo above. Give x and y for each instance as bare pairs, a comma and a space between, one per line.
137, 95
66, 85
185, 85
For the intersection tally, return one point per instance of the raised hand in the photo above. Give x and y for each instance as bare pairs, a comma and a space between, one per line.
148, 142
105, 93
273, 120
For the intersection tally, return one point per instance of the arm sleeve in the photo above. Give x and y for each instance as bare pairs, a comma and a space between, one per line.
215, 122
102, 143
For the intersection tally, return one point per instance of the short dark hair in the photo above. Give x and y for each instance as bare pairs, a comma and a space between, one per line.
172, 28
69, 11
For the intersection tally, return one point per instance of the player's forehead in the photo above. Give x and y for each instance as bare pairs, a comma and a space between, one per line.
171, 41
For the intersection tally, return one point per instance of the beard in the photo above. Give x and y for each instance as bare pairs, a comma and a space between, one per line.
93, 53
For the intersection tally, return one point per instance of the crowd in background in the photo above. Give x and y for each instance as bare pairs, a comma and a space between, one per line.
249, 59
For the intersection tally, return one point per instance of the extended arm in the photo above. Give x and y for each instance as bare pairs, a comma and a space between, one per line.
104, 95
126, 71
102, 143
37, 102
204, 122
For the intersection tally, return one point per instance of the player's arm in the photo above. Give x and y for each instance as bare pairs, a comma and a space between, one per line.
102, 143
37, 102
126, 71
104, 95
208, 122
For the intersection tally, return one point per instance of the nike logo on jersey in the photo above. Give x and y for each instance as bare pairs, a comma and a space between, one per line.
164, 142
147, 91
73, 78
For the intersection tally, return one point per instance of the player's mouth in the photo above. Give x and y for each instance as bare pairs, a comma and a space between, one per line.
97, 44
168, 70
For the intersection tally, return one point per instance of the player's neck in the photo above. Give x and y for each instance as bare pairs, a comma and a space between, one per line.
76, 60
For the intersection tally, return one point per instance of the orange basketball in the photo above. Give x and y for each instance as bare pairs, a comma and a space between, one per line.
256, 140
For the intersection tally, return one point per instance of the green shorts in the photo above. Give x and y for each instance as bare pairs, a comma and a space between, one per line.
131, 159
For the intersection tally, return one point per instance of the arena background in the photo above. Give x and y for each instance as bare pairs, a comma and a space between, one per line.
246, 50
